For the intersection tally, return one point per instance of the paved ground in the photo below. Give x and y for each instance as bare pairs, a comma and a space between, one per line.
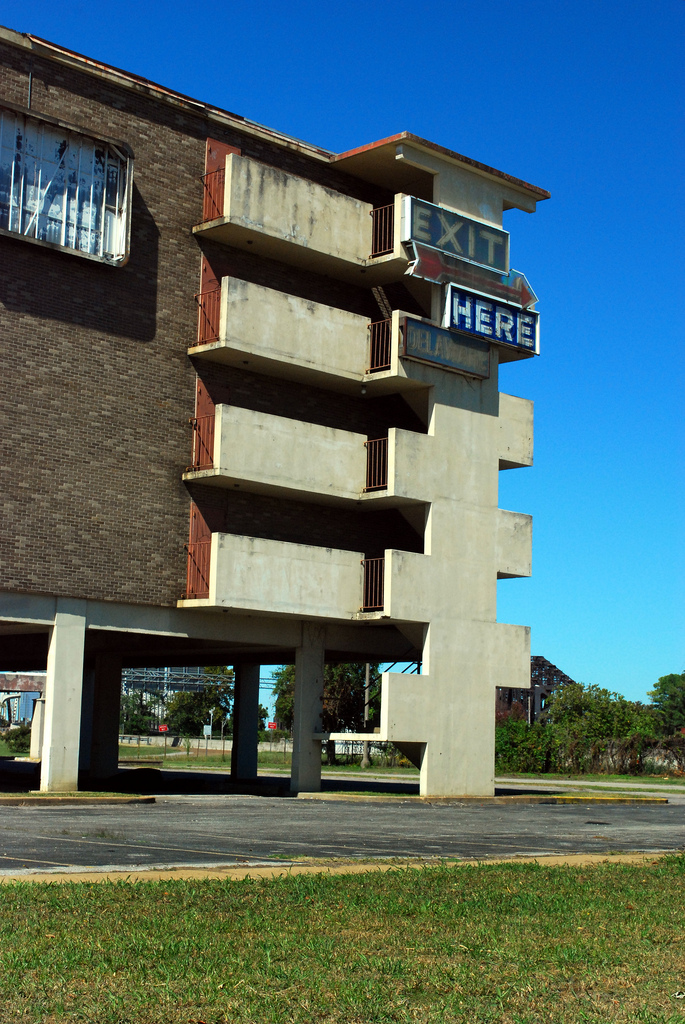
223, 830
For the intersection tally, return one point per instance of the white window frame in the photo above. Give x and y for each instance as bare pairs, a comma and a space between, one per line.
63, 187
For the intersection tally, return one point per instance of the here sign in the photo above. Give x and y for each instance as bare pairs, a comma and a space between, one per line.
450, 232
492, 321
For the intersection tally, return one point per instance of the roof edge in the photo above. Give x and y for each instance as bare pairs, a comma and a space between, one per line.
433, 147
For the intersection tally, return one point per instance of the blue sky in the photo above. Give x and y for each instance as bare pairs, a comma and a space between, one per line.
584, 99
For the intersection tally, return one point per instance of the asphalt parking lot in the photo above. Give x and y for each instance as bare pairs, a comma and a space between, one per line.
224, 830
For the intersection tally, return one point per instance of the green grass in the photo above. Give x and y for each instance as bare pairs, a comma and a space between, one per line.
590, 777
276, 759
512, 944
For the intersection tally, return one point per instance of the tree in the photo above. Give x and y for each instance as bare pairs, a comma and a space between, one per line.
136, 715
668, 701
187, 712
343, 696
594, 713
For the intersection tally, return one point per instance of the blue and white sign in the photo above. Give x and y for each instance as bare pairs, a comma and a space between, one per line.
430, 344
460, 236
492, 321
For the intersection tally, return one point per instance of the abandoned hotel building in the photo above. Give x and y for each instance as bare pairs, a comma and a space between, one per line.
252, 416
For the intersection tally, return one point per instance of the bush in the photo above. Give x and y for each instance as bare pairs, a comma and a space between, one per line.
520, 747
19, 739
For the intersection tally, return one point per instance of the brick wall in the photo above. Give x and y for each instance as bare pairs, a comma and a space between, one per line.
97, 388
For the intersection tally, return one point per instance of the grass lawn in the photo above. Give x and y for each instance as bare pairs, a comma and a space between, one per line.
276, 759
512, 944
589, 777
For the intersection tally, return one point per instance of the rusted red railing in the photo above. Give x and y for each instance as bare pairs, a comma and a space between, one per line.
197, 582
380, 333
374, 569
383, 230
203, 441
376, 464
208, 315
213, 193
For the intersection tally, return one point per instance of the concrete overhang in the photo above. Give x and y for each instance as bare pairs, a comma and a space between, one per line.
407, 163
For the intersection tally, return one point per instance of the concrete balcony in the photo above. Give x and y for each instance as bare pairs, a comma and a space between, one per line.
274, 577
515, 432
398, 586
269, 454
513, 544
272, 454
281, 335
291, 219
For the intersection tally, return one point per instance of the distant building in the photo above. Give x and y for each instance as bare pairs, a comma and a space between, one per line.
544, 678
252, 416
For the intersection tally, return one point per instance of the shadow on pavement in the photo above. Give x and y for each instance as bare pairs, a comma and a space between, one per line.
24, 776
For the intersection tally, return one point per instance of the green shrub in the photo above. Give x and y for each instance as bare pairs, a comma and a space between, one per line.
18, 739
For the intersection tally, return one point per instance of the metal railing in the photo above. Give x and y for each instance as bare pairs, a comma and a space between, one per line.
213, 193
197, 582
380, 333
383, 230
374, 570
208, 315
203, 441
376, 464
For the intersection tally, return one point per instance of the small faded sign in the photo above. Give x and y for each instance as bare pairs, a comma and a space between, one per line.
495, 321
445, 348
460, 236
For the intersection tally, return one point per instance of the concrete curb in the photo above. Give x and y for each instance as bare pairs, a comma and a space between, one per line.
45, 800
533, 798
237, 873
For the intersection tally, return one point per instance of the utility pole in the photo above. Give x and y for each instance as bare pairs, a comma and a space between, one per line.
366, 760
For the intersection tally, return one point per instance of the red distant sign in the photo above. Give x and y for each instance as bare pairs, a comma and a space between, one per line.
164, 728
271, 725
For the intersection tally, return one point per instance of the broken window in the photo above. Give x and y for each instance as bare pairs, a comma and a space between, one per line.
61, 187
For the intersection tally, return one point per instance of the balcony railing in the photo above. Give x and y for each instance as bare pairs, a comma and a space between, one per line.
383, 230
213, 193
208, 315
379, 345
376, 464
374, 569
203, 441
197, 582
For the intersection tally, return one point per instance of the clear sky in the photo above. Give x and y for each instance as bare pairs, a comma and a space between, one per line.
582, 98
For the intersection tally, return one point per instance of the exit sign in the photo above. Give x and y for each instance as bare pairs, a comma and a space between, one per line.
460, 236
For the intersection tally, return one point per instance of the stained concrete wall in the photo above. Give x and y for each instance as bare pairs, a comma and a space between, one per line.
288, 456
288, 329
292, 579
290, 209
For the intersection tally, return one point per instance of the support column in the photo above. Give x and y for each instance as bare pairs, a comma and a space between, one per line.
245, 722
104, 750
37, 722
63, 684
309, 664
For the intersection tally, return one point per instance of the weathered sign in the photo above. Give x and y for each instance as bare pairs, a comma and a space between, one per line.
430, 344
460, 236
494, 321
433, 265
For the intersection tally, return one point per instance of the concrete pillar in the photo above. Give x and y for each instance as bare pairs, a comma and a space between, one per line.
309, 664
86, 733
63, 684
37, 723
245, 722
104, 749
